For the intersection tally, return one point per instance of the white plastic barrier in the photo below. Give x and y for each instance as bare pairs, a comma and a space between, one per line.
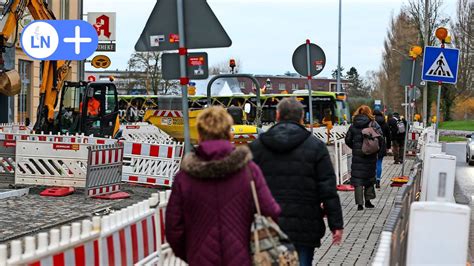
151, 164
439, 234
441, 176
144, 133
339, 132
14, 128
7, 162
342, 161
382, 257
429, 149
125, 237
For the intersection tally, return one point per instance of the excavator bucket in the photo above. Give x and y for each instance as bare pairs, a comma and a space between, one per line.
10, 83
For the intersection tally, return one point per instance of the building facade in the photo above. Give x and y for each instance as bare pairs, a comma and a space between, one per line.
24, 105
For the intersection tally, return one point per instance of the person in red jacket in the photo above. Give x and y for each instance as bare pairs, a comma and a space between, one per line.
210, 210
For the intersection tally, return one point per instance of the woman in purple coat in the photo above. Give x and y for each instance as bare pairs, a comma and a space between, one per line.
210, 210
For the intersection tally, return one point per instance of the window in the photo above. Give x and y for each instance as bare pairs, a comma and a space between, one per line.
110, 103
282, 86
24, 98
294, 86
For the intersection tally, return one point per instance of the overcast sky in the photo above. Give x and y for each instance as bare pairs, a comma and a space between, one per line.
266, 32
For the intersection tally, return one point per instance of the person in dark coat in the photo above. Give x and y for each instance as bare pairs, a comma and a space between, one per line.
300, 175
211, 209
380, 119
398, 138
363, 168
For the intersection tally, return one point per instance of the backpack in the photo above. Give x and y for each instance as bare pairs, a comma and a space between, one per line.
400, 126
370, 142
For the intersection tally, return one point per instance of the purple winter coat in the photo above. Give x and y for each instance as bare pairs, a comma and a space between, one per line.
211, 210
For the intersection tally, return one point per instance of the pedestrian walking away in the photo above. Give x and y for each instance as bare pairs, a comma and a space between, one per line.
363, 168
380, 119
299, 172
211, 209
398, 127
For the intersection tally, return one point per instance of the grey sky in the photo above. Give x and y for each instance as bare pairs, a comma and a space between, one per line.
266, 32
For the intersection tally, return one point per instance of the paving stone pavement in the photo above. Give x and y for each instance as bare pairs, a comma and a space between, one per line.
362, 229
30, 214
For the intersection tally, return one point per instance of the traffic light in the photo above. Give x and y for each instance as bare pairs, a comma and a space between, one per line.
232, 65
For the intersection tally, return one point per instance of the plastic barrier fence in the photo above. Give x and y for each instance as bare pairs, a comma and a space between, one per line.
151, 164
329, 137
7, 162
144, 133
240, 139
104, 169
342, 162
14, 128
125, 237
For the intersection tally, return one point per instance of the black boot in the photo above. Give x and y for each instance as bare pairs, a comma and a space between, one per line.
377, 184
369, 205
360, 208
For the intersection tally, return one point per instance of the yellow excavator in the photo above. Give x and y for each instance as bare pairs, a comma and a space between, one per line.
72, 116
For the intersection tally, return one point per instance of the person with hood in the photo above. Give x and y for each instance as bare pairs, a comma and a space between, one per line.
300, 175
363, 168
398, 127
386, 145
211, 209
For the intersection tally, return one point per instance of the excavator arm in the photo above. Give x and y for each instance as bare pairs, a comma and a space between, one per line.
54, 73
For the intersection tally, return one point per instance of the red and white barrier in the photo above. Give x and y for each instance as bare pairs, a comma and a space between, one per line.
168, 113
151, 164
244, 138
144, 133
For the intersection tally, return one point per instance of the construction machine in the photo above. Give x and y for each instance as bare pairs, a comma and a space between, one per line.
72, 116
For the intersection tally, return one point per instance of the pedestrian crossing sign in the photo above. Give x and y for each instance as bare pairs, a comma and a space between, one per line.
440, 64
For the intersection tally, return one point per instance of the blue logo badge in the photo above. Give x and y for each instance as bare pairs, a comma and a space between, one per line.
59, 40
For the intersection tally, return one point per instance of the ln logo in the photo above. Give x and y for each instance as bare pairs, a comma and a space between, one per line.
59, 40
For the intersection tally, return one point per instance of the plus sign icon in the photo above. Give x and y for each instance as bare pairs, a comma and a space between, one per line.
59, 40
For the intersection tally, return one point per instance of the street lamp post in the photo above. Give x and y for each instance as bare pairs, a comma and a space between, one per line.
338, 86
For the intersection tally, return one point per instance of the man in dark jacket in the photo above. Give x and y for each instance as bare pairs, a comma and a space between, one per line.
386, 144
398, 136
300, 175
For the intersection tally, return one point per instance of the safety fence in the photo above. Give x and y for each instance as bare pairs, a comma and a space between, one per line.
342, 161
151, 164
330, 136
14, 128
130, 236
144, 133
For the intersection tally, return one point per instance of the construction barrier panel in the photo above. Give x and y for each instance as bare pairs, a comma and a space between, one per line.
125, 237
151, 164
14, 128
144, 133
342, 161
104, 169
7, 162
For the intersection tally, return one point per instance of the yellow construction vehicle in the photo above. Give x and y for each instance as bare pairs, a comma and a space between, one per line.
72, 116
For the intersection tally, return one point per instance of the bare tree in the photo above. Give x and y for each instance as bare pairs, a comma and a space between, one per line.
150, 64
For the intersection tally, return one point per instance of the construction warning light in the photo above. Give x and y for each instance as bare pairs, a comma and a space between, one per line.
415, 51
441, 33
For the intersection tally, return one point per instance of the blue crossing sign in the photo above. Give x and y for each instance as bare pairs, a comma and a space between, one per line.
440, 64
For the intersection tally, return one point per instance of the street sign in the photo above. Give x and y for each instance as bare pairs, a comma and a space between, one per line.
104, 24
317, 60
101, 61
203, 29
106, 47
414, 94
406, 71
440, 64
197, 66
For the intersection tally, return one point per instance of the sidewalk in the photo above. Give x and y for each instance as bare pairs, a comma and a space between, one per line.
362, 228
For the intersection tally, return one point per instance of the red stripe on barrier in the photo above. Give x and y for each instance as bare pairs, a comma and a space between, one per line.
133, 178
151, 180
38, 263
136, 149
103, 157
110, 156
42, 138
170, 152
153, 223
23, 137
73, 140
123, 247
145, 238
167, 182
96, 253
133, 229
79, 256
9, 137
117, 156
154, 150
100, 141
162, 226
111, 251
58, 260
